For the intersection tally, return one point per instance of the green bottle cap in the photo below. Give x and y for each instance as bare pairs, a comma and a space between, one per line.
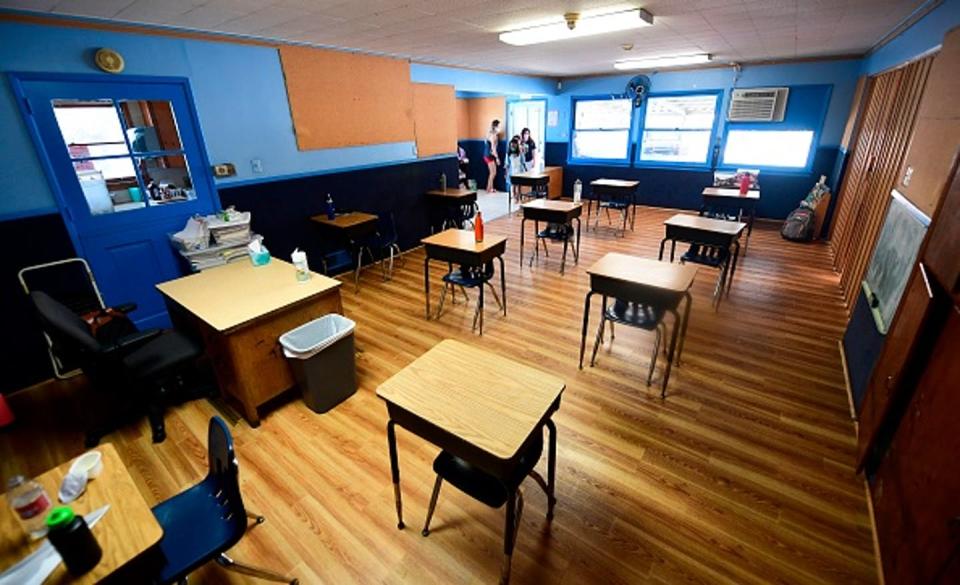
60, 516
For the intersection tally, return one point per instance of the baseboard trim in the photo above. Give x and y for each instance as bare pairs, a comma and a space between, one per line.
873, 531
846, 383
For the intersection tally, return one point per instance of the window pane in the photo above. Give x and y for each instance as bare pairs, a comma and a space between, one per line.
611, 114
674, 146
773, 148
166, 179
89, 125
109, 184
687, 111
151, 125
600, 144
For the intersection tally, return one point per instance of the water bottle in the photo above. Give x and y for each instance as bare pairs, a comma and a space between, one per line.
331, 212
443, 181
577, 190
71, 536
31, 503
478, 228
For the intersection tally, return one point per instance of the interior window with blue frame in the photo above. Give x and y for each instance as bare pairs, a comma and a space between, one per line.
788, 144
678, 129
601, 129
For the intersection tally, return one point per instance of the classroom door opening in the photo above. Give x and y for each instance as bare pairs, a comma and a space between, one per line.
530, 114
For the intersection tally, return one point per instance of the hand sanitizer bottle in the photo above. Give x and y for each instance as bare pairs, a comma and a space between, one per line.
577, 191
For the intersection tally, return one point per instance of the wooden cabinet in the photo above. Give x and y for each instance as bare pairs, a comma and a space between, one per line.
555, 186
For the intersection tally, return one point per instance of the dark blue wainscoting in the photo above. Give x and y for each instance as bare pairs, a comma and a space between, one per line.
478, 169
680, 188
861, 346
282, 209
40, 239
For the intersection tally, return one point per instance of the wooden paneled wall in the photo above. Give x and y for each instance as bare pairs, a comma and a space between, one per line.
474, 116
887, 120
435, 119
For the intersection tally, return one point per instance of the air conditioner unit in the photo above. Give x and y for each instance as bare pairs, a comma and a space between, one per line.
759, 104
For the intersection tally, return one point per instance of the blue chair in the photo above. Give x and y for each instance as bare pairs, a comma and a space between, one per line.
470, 277
336, 262
385, 241
203, 522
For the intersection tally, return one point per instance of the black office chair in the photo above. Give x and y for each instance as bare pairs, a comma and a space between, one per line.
636, 315
470, 277
492, 491
150, 363
203, 522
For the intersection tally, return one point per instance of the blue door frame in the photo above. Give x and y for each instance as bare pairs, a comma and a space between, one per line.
129, 251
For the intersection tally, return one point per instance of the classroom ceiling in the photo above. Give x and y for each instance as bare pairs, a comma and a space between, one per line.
464, 32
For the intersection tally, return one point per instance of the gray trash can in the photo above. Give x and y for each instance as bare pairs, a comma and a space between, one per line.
322, 358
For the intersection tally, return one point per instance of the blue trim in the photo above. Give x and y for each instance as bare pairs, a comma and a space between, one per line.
273, 178
573, 160
642, 115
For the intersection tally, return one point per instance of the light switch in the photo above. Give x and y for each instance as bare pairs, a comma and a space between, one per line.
256, 165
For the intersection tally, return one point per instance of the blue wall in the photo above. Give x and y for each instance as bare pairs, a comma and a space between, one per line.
925, 34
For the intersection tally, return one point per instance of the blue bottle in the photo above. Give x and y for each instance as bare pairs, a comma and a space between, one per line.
331, 212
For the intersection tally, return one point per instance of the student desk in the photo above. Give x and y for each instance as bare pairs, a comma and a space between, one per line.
477, 405
643, 281
551, 211
128, 533
623, 191
460, 247
538, 182
718, 197
450, 200
240, 311
706, 232
351, 227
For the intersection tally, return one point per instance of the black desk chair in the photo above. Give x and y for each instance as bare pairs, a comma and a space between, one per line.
470, 277
636, 315
714, 257
557, 232
492, 491
385, 240
149, 362
203, 522
619, 204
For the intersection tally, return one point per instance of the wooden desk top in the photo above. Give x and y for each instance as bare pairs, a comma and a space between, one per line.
733, 193
452, 193
531, 175
228, 296
615, 183
462, 240
644, 271
707, 224
492, 402
344, 220
125, 531
551, 204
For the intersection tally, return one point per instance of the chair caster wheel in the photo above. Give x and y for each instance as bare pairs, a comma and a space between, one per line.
425, 532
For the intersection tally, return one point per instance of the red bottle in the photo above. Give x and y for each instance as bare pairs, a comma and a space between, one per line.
744, 184
478, 227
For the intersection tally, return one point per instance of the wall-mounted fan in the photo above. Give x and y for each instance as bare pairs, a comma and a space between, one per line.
637, 89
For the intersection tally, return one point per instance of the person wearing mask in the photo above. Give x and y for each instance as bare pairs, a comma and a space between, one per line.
529, 148
514, 166
490, 155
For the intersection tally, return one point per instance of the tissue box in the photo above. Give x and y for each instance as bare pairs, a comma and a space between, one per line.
259, 258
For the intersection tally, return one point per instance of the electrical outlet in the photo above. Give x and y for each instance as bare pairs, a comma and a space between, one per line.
256, 165
907, 176
224, 170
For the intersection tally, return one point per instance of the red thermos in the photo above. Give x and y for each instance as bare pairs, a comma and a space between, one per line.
744, 184
478, 227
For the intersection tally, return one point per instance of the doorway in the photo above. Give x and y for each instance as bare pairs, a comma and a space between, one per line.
530, 114
125, 160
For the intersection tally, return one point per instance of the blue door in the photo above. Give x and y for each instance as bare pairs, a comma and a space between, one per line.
125, 158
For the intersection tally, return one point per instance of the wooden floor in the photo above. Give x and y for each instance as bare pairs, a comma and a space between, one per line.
744, 474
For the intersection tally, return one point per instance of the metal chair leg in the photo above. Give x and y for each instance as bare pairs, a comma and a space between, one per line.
228, 563
443, 297
257, 517
496, 297
433, 505
596, 344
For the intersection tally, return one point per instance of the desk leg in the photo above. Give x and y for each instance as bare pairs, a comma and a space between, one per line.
683, 328
480, 311
356, 273
733, 269
586, 322
509, 537
503, 285
672, 352
566, 242
523, 228
536, 240
576, 250
662, 243
753, 213
426, 283
673, 250
551, 468
395, 470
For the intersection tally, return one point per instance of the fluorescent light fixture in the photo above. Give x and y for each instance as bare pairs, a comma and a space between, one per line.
576, 26
661, 62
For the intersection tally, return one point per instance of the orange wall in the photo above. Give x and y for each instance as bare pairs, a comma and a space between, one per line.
475, 114
936, 134
435, 118
342, 99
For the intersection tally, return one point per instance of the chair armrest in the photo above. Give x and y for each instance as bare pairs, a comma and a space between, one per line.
134, 340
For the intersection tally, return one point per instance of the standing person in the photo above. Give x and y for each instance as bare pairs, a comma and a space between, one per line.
529, 148
490, 155
514, 165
